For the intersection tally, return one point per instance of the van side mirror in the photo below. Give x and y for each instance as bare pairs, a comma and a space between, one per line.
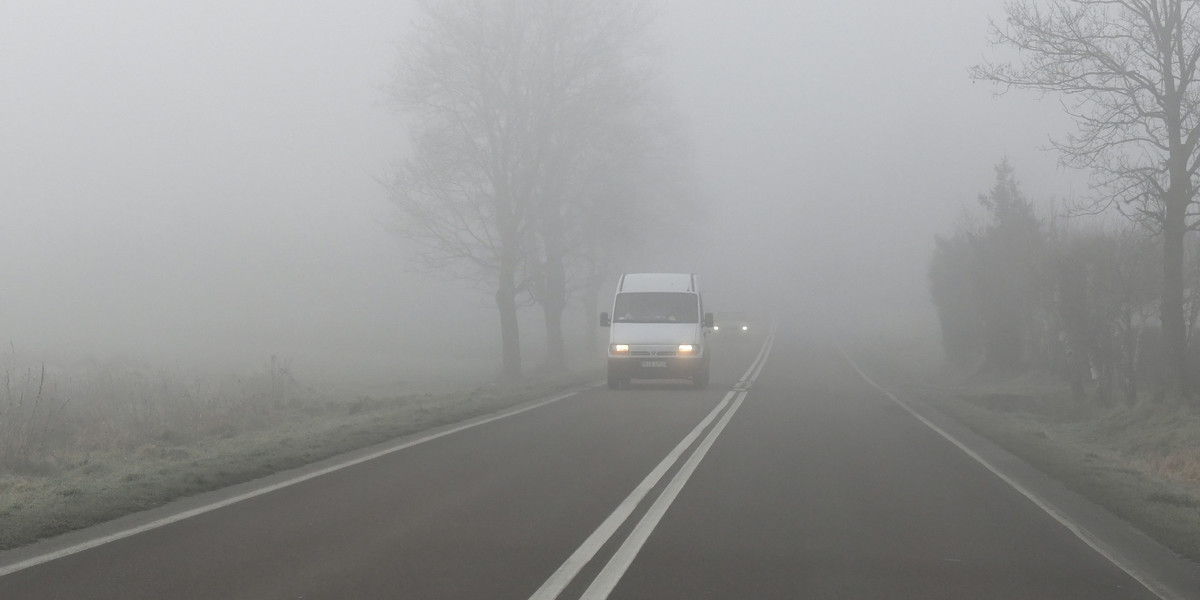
604, 320
708, 319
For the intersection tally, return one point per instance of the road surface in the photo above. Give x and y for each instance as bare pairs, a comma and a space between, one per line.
791, 476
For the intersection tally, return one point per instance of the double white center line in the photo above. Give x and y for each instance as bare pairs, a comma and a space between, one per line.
612, 572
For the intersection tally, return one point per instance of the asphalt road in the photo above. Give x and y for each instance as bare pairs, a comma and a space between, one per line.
806, 483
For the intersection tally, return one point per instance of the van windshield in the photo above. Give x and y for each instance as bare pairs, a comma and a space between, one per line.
656, 307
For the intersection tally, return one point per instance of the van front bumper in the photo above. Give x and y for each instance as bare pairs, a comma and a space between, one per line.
655, 367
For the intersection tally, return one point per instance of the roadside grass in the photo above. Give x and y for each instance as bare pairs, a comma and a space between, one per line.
68, 465
1142, 463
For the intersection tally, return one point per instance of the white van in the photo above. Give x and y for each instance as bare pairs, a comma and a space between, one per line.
658, 328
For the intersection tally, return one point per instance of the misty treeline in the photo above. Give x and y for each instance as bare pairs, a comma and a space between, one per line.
1080, 297
1126, 71
1074, 296
541, 152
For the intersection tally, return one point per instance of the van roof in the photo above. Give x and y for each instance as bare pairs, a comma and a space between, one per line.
658, 282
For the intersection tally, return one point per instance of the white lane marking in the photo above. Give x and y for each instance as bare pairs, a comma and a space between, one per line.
604, 583
1149, 582
87, 545
586, 551
747, 379
766, 351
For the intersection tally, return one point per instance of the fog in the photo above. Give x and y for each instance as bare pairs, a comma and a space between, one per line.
198, 183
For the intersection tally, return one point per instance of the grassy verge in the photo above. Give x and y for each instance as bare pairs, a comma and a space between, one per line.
1142, 463
75, 487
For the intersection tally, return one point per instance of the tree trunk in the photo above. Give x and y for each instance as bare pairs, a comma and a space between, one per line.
1175, 332
591, 302
510, 338
1174, 324
556, 351
554, 292
1129, 354
553, 305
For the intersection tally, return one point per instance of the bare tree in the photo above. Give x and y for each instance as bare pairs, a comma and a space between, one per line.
635, 189
465, 192
521, 113
623, 180
1127, 71
589, 75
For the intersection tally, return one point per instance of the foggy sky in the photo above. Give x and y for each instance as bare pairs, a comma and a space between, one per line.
195, 181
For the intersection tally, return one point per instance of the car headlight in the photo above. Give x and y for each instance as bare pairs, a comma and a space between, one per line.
745, 328
716, 327
620, 348
687, 348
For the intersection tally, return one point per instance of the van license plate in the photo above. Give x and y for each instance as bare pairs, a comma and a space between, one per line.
662, 364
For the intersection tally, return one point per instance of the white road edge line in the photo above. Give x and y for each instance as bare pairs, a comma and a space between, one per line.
587, 550
82, 546
1154, 586
608, 578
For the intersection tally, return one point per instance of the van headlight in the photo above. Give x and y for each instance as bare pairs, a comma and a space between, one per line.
620, 348
687, 348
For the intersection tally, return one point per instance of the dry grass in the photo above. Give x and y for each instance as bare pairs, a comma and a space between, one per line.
51, 421
83, 448
1141, 463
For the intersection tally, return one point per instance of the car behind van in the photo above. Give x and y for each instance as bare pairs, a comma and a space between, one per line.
657, 329
731, 325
